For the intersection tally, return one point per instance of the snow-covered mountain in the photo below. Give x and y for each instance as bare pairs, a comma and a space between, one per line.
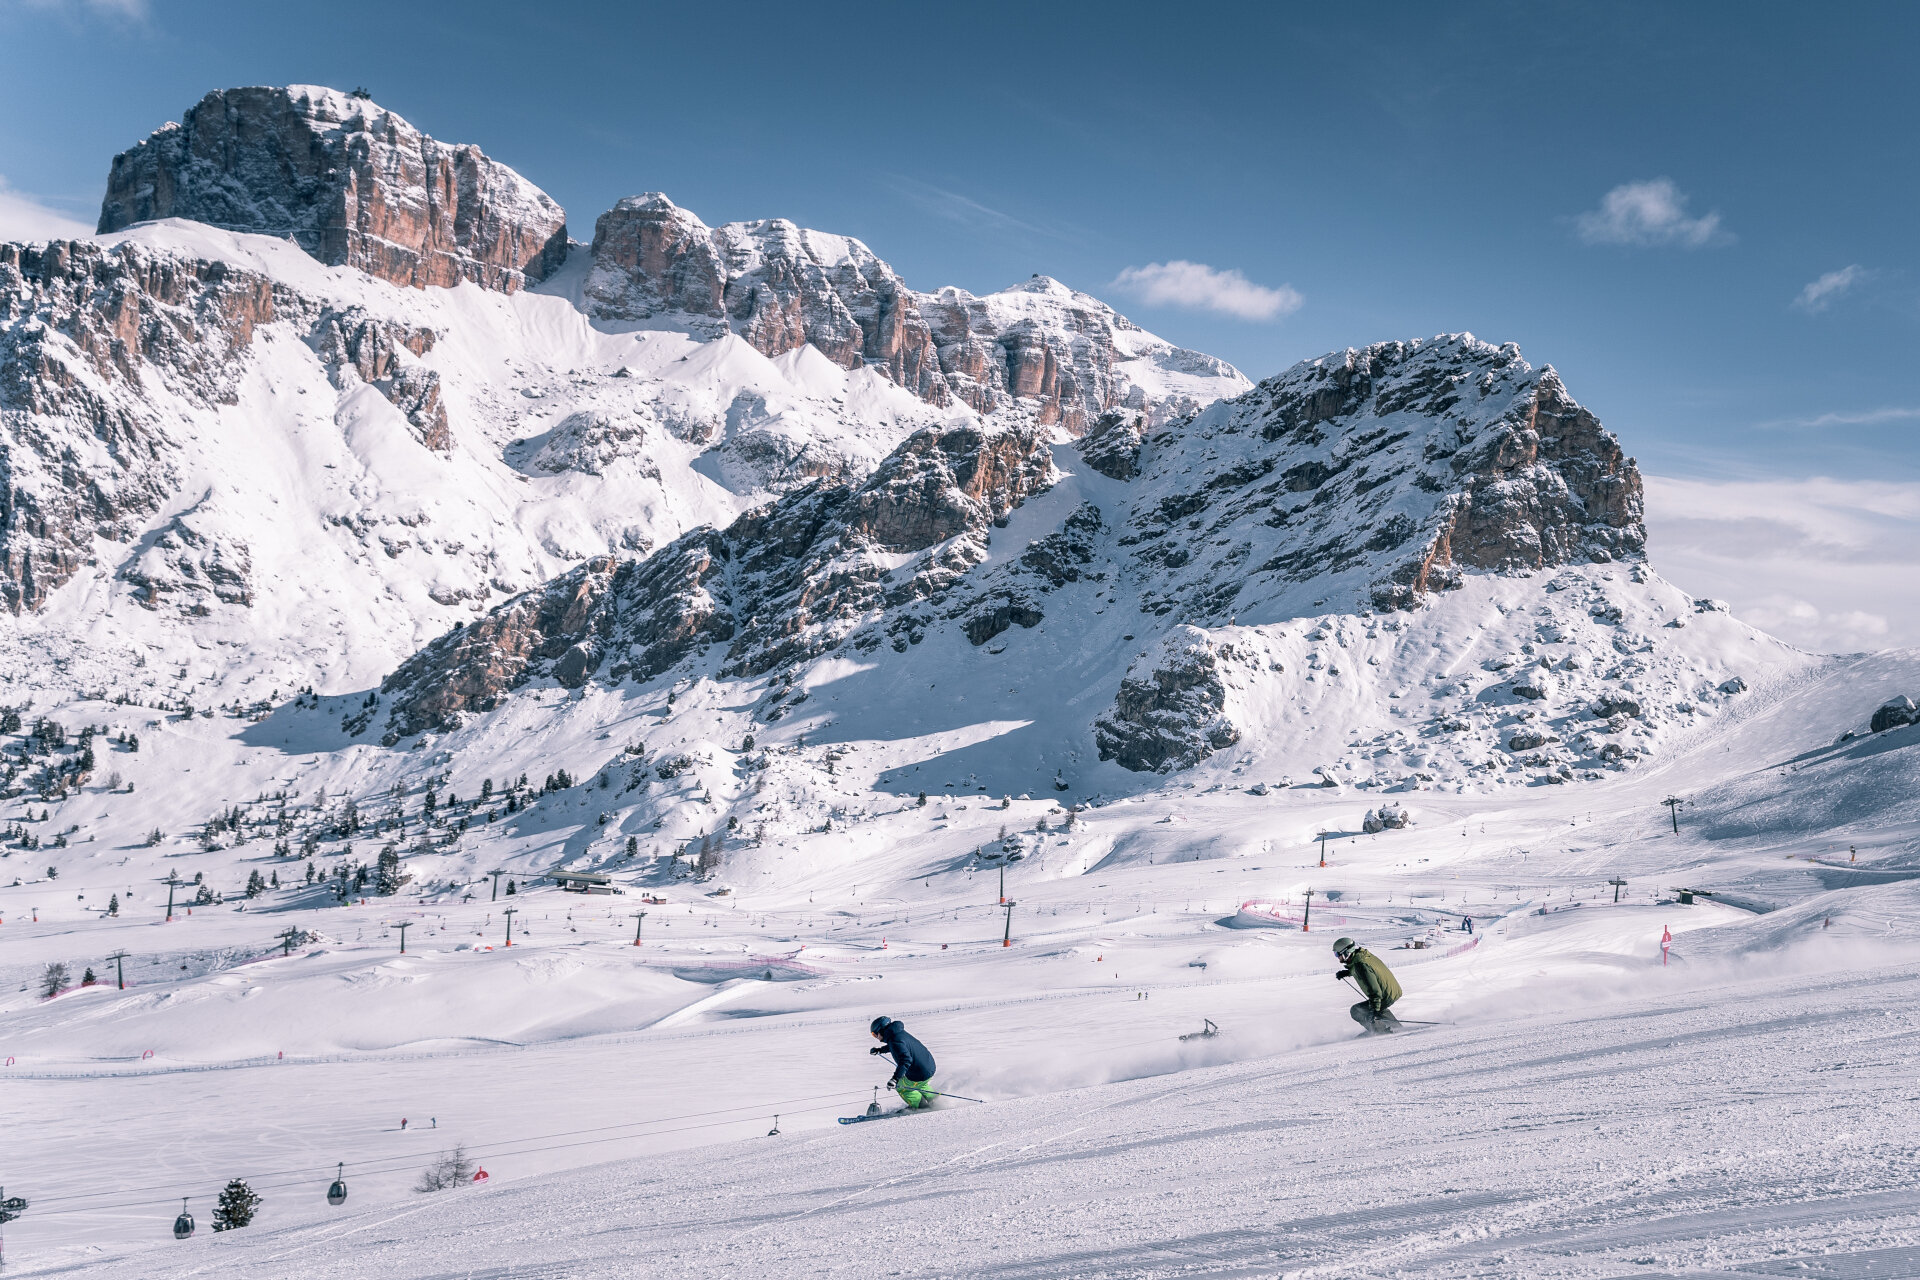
728, 455
366, 542
374, 457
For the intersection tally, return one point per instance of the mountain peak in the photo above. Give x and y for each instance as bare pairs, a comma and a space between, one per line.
352, 183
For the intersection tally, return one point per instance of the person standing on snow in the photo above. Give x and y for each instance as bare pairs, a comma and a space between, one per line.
1376, 983
912, 1063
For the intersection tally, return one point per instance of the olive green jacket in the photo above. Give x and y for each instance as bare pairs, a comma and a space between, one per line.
1375, 979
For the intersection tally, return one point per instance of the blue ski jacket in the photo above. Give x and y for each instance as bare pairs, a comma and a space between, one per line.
911, 1061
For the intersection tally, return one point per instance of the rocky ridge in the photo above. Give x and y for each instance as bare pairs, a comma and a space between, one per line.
1057, 356
105, 353
349, 181
782, 584
1265, 546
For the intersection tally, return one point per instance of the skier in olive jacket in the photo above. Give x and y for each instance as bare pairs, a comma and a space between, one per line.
1376, 982
912, 1063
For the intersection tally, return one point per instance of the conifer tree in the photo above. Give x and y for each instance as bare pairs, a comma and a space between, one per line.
235, 1207
113, 905
387, 882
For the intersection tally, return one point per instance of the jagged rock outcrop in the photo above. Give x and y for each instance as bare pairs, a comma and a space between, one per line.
1892, 714
1388, 472
350, 182
1170, 711
104, 353
1059, 356
785, 582
93, 345
1112, 445
1388, 817
360, 347
194, 562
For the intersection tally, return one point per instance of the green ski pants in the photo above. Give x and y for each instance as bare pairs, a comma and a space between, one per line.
915, 1093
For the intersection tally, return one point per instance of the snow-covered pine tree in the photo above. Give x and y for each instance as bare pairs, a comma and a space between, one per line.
53, 980
236, 1206
256, 883
387, 880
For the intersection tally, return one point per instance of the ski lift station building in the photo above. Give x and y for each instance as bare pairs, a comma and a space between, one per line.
583, 881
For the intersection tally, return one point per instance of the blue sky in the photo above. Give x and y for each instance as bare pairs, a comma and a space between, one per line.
1702, 214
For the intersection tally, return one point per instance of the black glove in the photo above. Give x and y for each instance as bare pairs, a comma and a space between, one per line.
1343, 975
894, 1083
879, 1048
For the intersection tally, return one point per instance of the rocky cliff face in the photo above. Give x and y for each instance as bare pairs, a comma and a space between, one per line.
353, 184
799, 577
1379, 475
103, 352
1363, 481
1060, 357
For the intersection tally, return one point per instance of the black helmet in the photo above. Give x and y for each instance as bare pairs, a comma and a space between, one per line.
880, 1024
1344, 947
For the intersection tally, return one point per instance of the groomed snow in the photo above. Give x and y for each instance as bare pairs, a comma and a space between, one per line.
1584, 1111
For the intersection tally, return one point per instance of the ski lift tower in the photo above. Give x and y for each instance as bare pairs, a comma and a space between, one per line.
1618, 884
1673, 804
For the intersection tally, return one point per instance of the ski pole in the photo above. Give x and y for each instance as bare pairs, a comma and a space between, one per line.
1418, 1022
958, 1097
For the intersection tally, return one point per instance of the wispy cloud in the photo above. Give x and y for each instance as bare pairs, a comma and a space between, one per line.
954, 207
1649, 213
1830, 565
1822, 293
119, 10
24, 218
1199, 287
1850, 418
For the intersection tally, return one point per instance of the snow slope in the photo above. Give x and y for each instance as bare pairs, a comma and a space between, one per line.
968, 659
1581, 1112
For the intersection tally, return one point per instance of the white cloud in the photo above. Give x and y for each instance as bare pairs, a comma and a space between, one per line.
1830, 565
122, 10
24, 218
1649, 213
1820, 294
1198, 287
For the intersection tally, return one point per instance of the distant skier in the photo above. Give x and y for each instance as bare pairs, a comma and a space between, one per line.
1376, 982
403, 1124
912, 1063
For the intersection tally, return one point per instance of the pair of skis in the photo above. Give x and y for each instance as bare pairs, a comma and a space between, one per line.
874, 1112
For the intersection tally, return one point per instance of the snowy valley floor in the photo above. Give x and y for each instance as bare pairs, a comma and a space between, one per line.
1761, 1126
1581, 1110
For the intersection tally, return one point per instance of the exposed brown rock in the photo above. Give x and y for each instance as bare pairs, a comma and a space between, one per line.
351, 183
1039, 347
782, 583
100, 347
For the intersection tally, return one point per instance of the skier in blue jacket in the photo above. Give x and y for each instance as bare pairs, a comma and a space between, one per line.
912, 1063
